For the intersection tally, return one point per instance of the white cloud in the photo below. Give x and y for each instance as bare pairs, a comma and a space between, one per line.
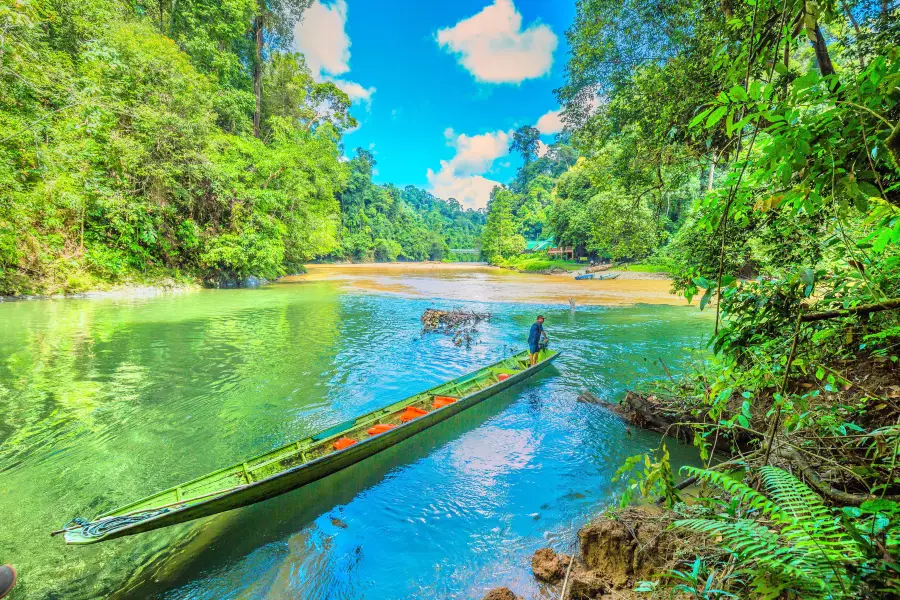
494, 48
322, 38
476, 153
472, 191
357, 92
462, 177
551, 122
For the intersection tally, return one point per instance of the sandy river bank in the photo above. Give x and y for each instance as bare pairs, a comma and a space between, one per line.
466, 281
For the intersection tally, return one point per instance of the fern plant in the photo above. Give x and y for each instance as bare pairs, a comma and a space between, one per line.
788, 541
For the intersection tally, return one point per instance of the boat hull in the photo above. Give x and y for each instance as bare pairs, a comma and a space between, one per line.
297, 477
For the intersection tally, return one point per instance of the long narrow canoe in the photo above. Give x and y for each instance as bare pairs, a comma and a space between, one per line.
299, 463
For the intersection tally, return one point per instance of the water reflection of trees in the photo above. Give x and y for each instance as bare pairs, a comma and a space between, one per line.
105, 402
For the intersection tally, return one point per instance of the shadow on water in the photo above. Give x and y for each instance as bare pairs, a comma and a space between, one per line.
229, 537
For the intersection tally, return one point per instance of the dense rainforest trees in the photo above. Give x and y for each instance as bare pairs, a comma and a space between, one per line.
754, 147
384, 223
150, 138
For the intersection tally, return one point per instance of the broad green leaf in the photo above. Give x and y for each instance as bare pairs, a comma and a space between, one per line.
882, 240
699, 118
716, 116
870, 190
738, 93
706, 298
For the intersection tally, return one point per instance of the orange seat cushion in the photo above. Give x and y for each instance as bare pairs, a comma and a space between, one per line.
380, 429
502, 376
412, 412
442, 401
343, 443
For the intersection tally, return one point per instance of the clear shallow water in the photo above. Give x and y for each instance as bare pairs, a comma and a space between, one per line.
105, 401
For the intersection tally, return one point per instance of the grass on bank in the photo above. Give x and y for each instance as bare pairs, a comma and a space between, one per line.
646, 267
541, 262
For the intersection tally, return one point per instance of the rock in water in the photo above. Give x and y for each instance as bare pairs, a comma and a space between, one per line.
549, 566
501, 593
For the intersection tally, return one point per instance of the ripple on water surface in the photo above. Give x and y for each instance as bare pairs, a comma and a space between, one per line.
107, 401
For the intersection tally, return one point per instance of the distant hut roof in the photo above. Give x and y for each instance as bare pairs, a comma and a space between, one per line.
538, 245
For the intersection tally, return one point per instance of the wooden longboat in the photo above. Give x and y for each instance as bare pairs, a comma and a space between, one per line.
299, 463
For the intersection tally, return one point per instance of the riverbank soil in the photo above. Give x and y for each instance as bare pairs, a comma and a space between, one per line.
465, 281
621, 549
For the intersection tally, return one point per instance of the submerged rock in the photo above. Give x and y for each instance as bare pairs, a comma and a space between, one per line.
549, 566
501, 593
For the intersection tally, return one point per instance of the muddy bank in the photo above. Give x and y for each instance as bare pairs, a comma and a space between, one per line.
617, 552
625, 547
467, 281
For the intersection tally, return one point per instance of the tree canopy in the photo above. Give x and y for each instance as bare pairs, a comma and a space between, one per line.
152, 139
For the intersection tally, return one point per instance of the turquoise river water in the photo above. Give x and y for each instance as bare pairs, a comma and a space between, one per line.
108, 400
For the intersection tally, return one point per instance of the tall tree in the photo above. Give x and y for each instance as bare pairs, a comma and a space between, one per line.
274, 19
525, 141
500, 237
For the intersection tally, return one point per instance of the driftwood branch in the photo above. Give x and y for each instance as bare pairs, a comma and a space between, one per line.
458, 323
862, 309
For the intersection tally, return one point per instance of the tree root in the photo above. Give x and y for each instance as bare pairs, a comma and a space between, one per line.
812, 478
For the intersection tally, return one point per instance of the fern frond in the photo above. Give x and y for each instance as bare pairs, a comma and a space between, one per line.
792, 495
807, 522
746, 495
761, 547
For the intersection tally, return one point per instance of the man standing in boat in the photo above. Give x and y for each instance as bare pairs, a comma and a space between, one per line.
534, 339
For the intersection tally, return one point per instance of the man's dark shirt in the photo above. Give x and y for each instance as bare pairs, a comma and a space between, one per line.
534, 336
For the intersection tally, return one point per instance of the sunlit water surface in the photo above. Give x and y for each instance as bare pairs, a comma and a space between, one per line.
106, 401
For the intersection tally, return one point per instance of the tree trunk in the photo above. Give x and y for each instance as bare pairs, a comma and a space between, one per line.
726, 8
257, 71
171, 30
822, 57
712, 175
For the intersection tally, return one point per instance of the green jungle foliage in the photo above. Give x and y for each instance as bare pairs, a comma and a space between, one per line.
142, 140
751, 148
803, 547
384, 223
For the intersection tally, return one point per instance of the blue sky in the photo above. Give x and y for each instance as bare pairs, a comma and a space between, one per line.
438, 86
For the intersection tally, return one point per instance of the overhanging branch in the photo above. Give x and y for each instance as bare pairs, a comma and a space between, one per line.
862, 309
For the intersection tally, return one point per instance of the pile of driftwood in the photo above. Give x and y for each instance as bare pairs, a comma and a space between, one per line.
458, 323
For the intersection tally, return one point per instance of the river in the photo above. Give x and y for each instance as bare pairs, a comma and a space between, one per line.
108, 400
